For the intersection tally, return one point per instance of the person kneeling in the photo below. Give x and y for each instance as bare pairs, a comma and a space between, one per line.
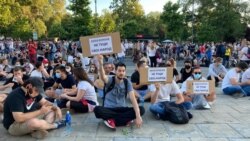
85, 99
21, 115
114, 111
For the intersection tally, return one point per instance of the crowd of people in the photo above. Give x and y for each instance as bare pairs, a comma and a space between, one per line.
43, 73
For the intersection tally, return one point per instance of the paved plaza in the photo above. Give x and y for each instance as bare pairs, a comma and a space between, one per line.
227, 120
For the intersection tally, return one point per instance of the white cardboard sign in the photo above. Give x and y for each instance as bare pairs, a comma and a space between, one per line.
157, 74
91, 77
201, 87
101, 45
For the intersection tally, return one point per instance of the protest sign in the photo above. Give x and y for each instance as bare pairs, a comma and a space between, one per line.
151, 75
200, 86
92, 77
101, 44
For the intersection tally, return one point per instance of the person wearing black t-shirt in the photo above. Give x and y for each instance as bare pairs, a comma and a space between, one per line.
186, 72
65, 84
20, 115
135, 79
16, 81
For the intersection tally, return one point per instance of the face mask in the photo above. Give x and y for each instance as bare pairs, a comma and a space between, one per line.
46, 65
63, 65
68, 70
168, 65
92, 69
18, 65
58, 75
197, 76
187, 67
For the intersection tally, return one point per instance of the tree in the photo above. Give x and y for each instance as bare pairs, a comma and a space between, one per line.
106, 22
81, 18
127, 12
173, 20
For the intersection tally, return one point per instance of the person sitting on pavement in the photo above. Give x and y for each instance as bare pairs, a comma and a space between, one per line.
20, 116
65, 83
216, 71
114, 111
199, 101
231, 84
5, 69
85, 99
246, 80
40, 71
99, 84
161, 93
16, 81
170, 63
140, 89
186, 72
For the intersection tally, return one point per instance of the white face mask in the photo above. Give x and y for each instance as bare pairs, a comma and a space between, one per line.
68, 70
46, 65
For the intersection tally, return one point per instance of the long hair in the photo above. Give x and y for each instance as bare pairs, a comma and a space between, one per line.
80, 75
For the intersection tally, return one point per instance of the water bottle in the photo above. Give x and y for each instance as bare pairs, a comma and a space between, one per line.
68, 121
142, 101
55, 103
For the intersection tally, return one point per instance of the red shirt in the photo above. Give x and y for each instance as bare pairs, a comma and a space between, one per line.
32, 46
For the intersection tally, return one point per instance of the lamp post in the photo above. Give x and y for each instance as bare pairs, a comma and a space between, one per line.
96, 22
193, 22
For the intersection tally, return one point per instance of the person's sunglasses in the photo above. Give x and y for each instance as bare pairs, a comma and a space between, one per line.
197, 73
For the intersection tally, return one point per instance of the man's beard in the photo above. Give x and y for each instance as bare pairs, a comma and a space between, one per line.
120, 78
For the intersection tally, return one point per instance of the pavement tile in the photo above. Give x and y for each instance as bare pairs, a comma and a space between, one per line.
209, 139
132, 139
239, 139
183, 130
218, 130
242, 129
93, 139
243, 118
171, 139
219, 118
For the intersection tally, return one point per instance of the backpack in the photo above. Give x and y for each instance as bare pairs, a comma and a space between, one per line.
248, 53
107, 89
176, 113
53, 48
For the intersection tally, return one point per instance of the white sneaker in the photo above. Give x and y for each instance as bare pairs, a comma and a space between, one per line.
206, 106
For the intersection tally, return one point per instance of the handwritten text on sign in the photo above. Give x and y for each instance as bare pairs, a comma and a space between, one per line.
100, 45
157, 74
201, 87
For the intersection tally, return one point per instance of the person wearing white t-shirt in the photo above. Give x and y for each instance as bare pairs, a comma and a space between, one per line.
231, 84
161, 94
85, 99
243, 53
121, 55
151, 52
40, 71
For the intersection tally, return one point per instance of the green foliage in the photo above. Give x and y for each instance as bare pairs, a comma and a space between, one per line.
174, 20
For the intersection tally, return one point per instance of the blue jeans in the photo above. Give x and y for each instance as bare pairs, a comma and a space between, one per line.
100, 93
233, 89
158, 108
142, 93
246, 90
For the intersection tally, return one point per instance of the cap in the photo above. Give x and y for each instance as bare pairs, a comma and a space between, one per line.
45, 61
37, 82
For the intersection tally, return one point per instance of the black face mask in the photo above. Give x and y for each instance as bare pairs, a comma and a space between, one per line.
168, 65
187, 67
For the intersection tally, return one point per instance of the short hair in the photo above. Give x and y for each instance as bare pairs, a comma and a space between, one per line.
140, 63
107, 63
196, 67
188, 61
242, 65
120, 64
61, 68
218, 59
38, 64
18, 68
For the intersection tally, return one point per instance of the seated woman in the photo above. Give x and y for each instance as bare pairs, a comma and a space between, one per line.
171, 63
85, 100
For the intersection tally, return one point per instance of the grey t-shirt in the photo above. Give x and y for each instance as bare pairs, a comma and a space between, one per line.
116, 97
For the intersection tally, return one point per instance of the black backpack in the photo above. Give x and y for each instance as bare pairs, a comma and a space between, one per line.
107, 89
176, 113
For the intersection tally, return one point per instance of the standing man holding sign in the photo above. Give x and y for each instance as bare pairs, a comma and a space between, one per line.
199, 101
114, 111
